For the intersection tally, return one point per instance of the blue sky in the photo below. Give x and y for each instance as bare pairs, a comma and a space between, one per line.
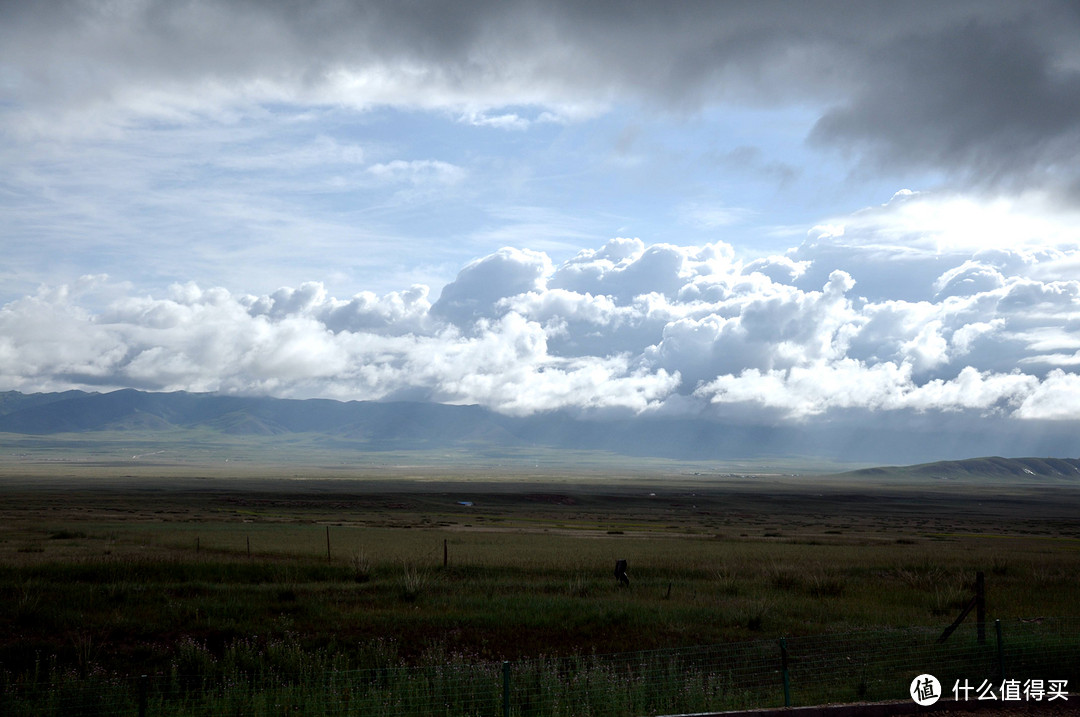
767, 210
384, 197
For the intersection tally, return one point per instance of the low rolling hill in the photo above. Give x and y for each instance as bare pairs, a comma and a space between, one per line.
992, 467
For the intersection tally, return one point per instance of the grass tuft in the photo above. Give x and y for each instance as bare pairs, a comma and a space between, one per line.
361, 566
578, 586
412, 583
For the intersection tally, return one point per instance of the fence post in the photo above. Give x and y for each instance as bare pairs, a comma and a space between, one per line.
980, 606
1000, 650
142, 695
506, 689
328, 545
784, 672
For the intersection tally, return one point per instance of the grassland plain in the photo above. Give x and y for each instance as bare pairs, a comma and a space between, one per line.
146, 564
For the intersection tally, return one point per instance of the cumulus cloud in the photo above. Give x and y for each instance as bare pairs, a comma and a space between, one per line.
629, 327
626, 268
971, 277
484, 282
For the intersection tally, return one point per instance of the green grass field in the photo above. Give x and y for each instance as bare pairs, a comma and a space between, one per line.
153, 566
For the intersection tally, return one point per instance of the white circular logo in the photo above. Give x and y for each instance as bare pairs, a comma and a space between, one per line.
925, 690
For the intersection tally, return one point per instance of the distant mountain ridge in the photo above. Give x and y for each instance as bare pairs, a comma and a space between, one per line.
988, 467
401, 425
370, 424
129, 409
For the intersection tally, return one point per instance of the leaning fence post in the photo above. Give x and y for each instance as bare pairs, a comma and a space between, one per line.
1000, 650
784, 672
506, 689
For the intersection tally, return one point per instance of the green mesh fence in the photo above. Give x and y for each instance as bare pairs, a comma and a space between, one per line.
870, 665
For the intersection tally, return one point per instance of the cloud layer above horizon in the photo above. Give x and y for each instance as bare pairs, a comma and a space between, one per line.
986, 91
608, 208
626, 329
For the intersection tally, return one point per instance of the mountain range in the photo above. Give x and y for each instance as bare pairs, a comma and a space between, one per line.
370, 425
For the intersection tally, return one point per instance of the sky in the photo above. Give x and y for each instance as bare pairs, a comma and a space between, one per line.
744, 211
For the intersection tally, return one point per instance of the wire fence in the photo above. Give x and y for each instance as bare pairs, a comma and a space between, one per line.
870, 665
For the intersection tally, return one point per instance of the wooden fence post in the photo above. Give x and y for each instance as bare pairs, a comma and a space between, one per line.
142, 695
506, 689
1000, 650
980, 606
977, 603
784, 672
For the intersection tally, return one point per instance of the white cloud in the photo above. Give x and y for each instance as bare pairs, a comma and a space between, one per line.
625, 268
627, 326
925, 246
805, 391
780, 269
1056, 398
484, 282
971, 277
506, 121
417, 171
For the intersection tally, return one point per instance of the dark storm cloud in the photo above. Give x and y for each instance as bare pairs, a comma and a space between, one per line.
987, 93
995, 102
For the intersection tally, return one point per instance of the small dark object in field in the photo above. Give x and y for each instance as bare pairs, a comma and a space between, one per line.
620, 572
67, 535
